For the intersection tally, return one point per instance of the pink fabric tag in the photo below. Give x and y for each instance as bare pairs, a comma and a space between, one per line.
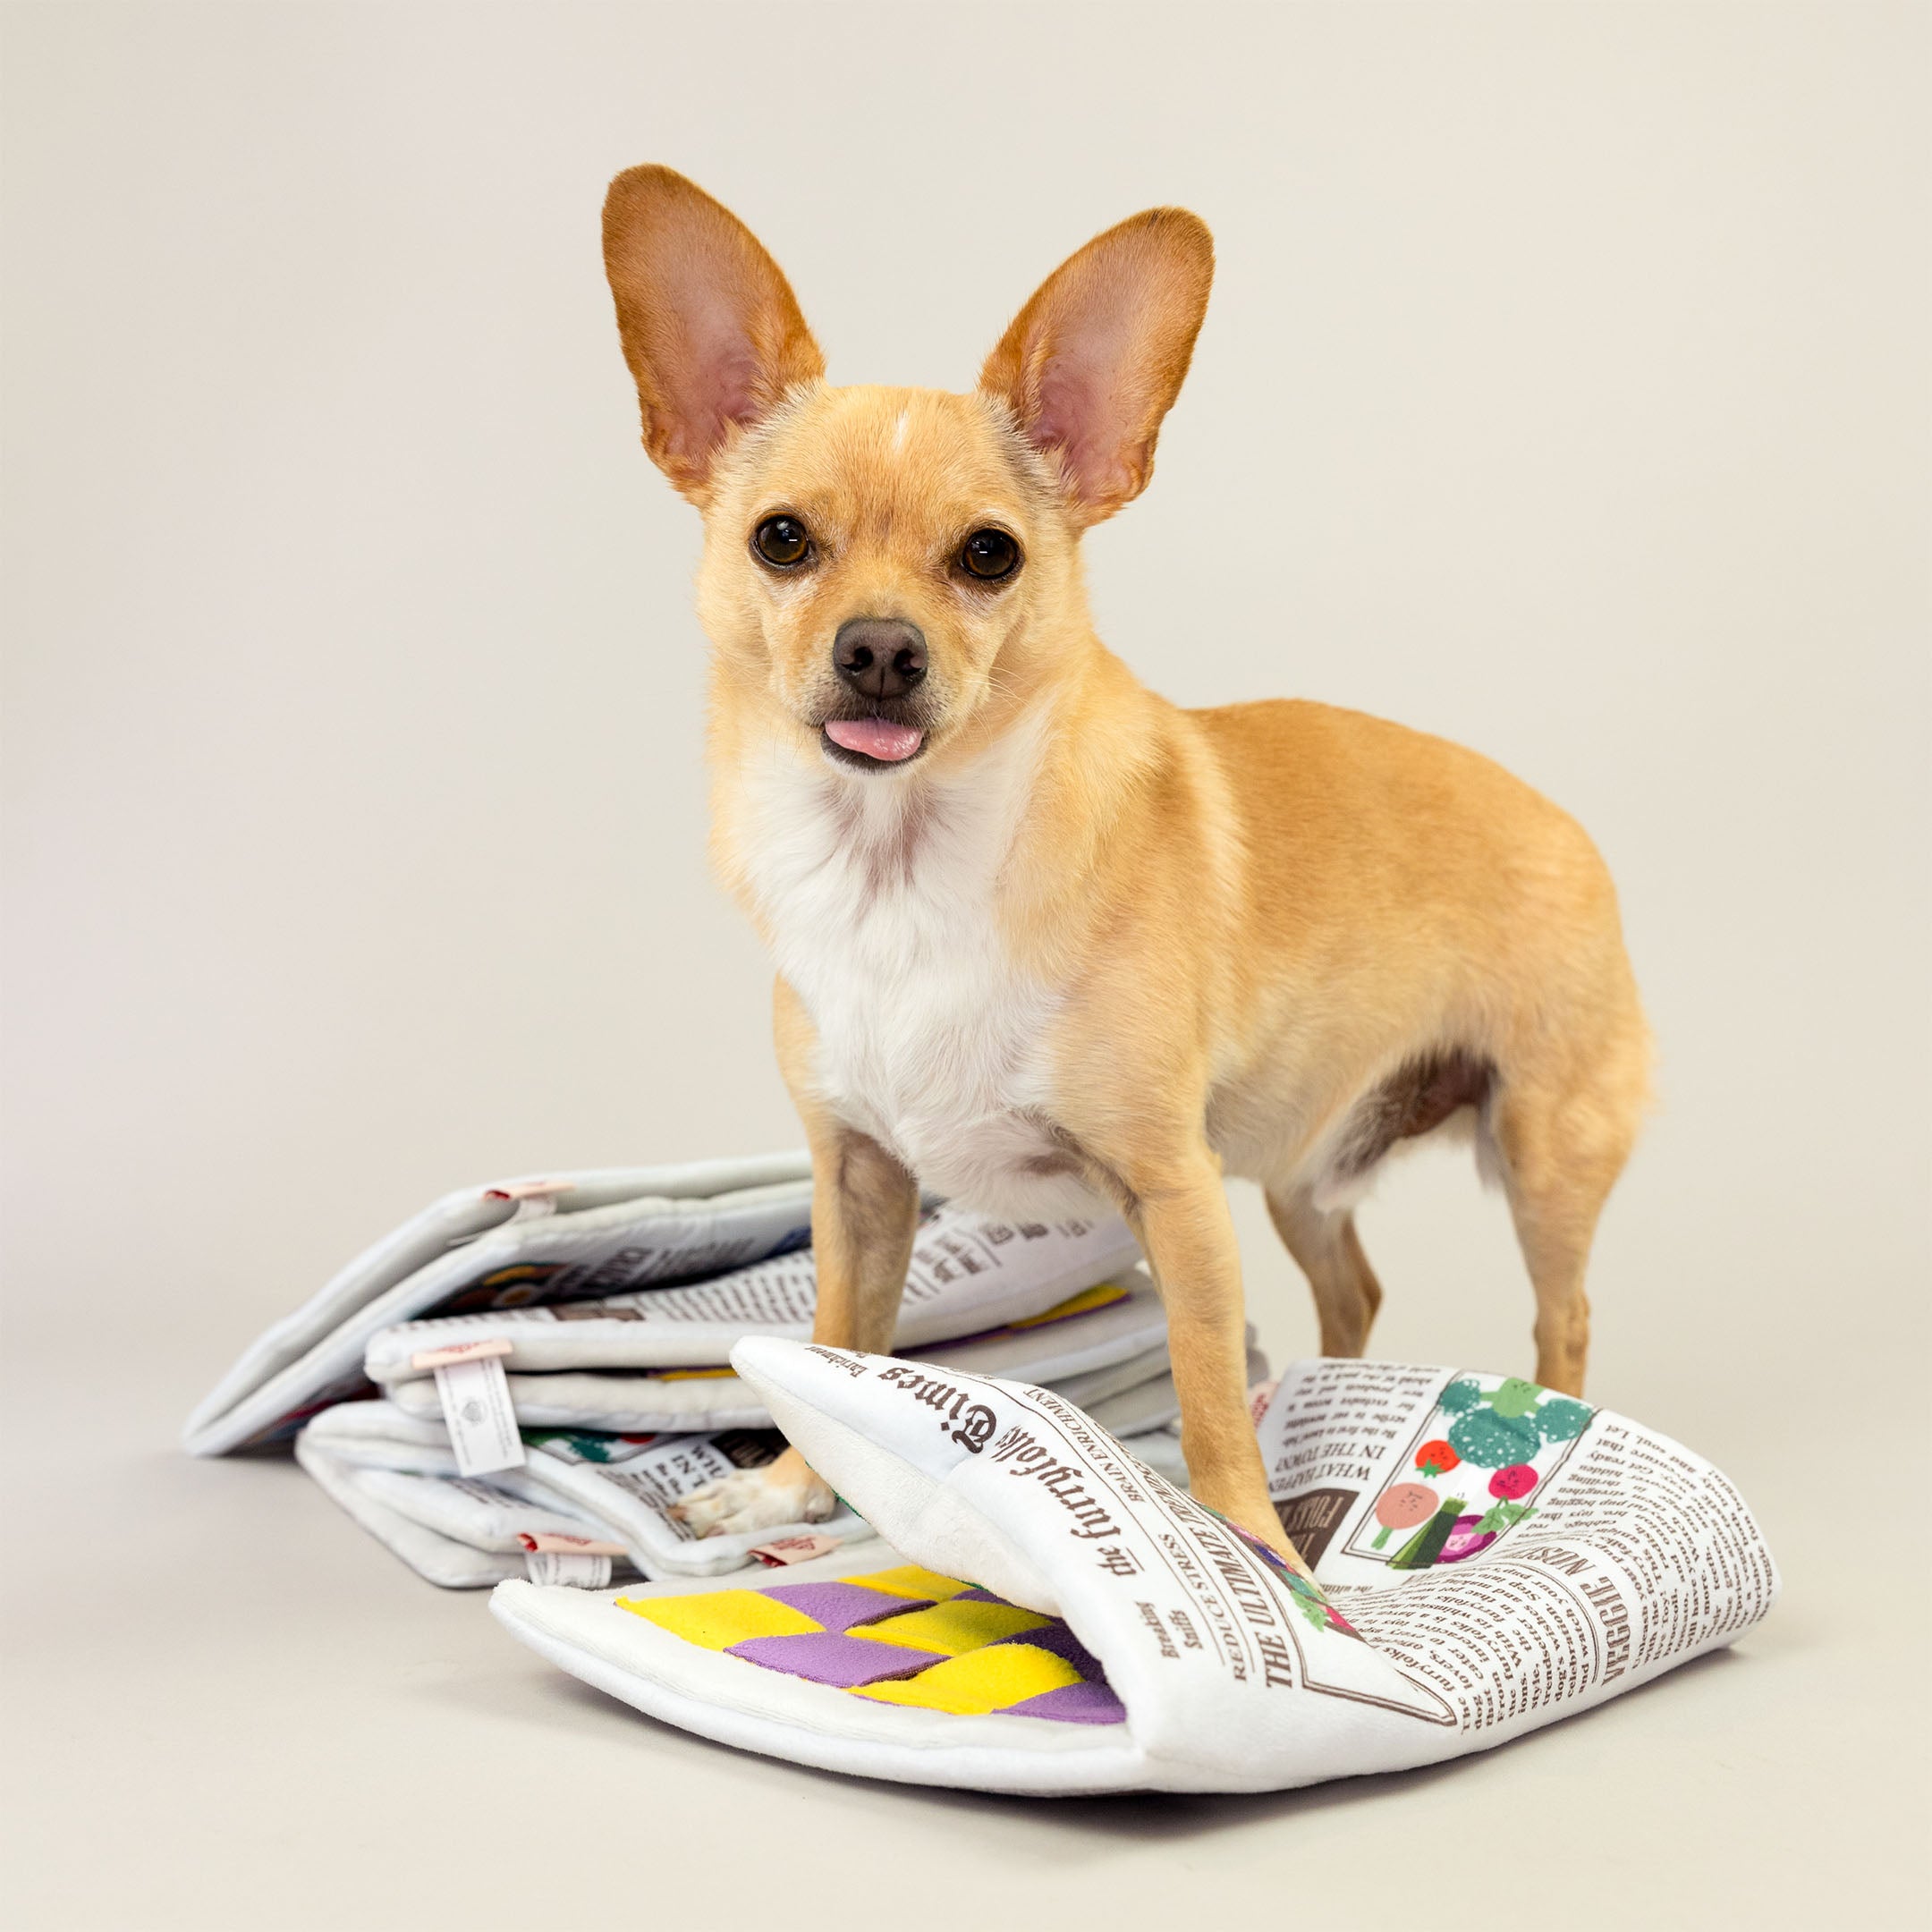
794, 1549
560, 1543
479, 1350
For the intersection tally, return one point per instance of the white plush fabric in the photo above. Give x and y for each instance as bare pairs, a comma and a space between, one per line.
1600, 1557
968, 1273
624, 1486
506, 1244
1089, 1353
396, 1475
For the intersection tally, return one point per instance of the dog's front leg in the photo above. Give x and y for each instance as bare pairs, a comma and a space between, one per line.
864, 1214
1188, 1238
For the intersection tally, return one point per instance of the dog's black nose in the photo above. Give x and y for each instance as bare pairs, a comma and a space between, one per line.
879, 656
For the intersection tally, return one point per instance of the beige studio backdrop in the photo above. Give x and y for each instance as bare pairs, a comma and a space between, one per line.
1565, 392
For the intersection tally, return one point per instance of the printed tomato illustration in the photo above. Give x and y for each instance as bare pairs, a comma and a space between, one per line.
1435, 1458
1403, 1507
1508, 1485
1465, 1539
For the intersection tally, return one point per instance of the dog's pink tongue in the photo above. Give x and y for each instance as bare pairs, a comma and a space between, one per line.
876, 737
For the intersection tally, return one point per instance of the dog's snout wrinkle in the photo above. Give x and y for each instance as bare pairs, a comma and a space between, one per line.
879, 656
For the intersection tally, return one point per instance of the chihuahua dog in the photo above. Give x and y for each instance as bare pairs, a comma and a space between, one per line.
1043, 938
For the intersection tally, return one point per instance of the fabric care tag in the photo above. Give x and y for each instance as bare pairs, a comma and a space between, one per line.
793, 1549
557, 1542
579, 1572
482, 1425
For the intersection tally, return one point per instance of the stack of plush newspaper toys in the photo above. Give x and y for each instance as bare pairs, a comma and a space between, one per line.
527, 1378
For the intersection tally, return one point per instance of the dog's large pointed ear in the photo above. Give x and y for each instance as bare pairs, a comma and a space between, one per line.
1094, 362
711, 326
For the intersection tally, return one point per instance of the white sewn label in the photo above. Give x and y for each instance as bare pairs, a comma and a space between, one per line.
580, 1572
477, 1411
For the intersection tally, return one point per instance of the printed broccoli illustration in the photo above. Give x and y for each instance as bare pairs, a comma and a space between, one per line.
1561, 1420
1514, 1397
1492, 1441
1460, 1397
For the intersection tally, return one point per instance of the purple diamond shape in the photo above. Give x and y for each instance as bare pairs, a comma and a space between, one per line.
1073, 1703
831, 1658
842, 1606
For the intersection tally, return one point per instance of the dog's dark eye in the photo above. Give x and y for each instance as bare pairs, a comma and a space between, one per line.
989, 554
782, 540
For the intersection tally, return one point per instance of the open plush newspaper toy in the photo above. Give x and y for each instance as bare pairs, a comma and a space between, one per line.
1045, 1613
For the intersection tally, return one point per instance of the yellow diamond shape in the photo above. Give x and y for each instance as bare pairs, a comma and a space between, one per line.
1084, 1303
909, 1580
952, 1628
717, 1619
981, 1680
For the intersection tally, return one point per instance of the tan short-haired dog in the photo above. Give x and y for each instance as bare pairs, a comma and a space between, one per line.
1042, 937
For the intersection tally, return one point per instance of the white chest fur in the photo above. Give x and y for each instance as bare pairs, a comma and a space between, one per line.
879, 895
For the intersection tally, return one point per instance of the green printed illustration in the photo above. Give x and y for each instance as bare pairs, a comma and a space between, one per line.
1314, 1606
1507, 1439
1308, 1598
1427, 1544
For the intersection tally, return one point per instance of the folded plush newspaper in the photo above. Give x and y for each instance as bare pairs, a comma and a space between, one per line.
603, 1457
518, 1243
1043, 1613
554, 1358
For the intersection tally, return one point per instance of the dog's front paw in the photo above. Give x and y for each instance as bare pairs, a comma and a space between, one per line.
756, 1499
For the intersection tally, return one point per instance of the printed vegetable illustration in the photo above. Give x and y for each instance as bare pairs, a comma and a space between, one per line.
1403, 1507
1492, 1441
1422, 1550
1503, 1430
1316, 1607
1513, 1397
1504, 1516
1466, 1536
1561, 1420
1309, 1598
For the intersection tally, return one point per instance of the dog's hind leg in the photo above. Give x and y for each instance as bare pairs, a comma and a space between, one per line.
1328, 1251
1560, 1149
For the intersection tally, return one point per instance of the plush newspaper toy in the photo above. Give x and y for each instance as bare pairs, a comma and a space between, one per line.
555, 1354
1045, 1613
599, 1466
512, 1244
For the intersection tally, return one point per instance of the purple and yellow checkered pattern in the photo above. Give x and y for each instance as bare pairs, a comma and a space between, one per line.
903, 1636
